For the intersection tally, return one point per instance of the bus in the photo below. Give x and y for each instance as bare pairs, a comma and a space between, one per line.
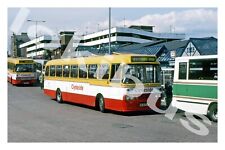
21, 71
104, 82
195, 85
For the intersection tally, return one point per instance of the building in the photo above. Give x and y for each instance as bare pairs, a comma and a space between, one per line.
65, 37
168, 51
41, 47
201, 46
130, 35
17, 40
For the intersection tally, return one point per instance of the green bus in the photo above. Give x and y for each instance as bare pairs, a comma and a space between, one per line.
195, 85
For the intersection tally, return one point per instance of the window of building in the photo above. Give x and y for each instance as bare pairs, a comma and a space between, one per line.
83, 71
66, 70
58, 70
203, 69
182, 70
74, 71
52, 70
92, 71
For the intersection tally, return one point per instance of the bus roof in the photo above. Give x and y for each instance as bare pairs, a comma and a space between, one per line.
20, 60
196, 57
115, 58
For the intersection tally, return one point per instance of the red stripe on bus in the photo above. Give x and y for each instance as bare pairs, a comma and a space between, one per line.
17, 82
111, 104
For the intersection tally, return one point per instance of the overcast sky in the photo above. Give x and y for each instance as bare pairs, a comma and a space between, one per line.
194, 22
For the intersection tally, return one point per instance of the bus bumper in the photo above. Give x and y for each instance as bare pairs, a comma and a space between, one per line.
24, 82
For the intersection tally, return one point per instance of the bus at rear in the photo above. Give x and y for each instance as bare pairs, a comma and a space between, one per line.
21, 71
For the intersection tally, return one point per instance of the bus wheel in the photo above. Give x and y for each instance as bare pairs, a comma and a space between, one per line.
101, 103
59, 96
212, 113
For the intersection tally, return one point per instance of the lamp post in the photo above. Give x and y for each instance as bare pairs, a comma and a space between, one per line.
36, 22
109, 31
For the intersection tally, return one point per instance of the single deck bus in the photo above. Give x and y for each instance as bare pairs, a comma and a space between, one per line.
21, 71
102, 82
195, 85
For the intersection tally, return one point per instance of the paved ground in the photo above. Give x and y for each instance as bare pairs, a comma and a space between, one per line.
34, 117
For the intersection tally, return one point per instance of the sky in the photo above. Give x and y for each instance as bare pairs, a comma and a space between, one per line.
194, 22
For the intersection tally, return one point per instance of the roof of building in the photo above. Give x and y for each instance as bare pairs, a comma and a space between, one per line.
138, 46
150, 50
167, 57
173, 45
205, 46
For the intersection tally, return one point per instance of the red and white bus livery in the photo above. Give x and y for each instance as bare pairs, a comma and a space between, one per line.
21, 71
105, 82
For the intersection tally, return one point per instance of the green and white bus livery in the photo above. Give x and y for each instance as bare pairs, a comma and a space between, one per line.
195, 85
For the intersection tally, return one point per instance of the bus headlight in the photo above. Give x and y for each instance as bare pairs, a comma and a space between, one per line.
127, 97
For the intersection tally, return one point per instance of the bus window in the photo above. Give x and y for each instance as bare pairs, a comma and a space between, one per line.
203, 69
11, 66
145, 73
116, 73
92, 71
52, 71
103, 71
182, 70
24, 67
83, 71
58, 70
66, 70
74, 71
47, 71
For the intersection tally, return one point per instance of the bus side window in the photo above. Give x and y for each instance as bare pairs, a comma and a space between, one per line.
203, 69
74, 71
83, 71
47, 71
58, 70
66, 70
92, 71
52, 71
115, 72
182, 70
103, 71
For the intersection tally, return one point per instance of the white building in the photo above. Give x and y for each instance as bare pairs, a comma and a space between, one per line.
131, 35
36, 48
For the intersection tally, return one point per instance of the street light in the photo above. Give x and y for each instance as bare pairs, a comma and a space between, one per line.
36, 22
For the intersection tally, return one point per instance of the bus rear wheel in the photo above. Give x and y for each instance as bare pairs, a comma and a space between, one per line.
212, 113
101, 103
59, 96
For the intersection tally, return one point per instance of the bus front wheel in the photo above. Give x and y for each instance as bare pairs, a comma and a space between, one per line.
101, 103
59, 96
212, 112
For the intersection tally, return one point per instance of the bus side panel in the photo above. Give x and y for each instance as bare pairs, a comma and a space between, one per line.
201, 91
50, 93
114, 104
192, 106
79, 98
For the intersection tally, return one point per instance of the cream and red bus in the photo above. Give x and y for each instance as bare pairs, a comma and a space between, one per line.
21, 71
104, 82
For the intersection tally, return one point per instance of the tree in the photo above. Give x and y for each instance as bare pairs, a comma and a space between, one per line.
47, 54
